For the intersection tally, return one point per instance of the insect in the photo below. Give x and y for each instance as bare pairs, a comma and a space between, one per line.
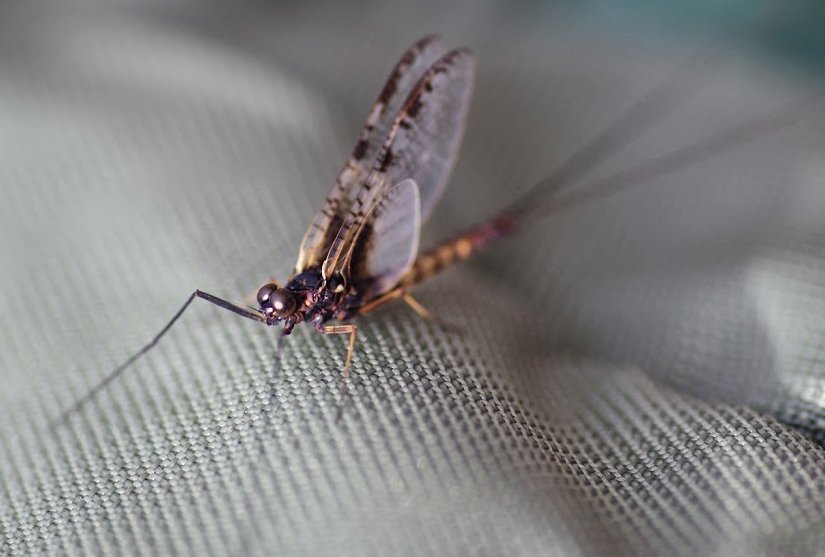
361, 248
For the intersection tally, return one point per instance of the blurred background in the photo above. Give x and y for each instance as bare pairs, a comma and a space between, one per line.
639, 374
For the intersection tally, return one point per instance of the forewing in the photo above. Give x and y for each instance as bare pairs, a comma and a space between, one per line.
429, 128
324, 226
387, 243
422, 145
400, 84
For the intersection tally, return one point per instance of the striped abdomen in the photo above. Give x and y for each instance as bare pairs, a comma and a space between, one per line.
457, 249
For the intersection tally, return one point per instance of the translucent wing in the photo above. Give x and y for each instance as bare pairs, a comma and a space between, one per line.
421, 144
387, 243
427, 132
324, 226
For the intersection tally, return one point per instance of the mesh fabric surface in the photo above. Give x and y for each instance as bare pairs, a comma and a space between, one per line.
642, 375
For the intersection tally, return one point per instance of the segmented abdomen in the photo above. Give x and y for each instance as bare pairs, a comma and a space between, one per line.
457, 249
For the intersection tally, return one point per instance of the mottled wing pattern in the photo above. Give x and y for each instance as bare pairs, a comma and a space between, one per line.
422, 145
428, 132
387, 244
324, 226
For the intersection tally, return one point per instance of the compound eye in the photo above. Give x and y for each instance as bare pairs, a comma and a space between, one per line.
282, 302
265, 293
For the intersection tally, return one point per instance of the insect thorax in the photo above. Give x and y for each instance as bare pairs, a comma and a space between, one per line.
320, 300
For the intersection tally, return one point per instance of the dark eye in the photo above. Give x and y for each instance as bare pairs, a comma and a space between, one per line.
265, 292
278, 302
282, 302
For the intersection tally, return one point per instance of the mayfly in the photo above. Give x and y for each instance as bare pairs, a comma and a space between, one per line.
361, 249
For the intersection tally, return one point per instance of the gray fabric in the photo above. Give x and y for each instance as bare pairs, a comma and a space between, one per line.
642, 375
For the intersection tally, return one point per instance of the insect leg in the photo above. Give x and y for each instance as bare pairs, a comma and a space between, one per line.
381, 300
278, 351
255, 316
275, 371
416, 306
351, 330
394, 295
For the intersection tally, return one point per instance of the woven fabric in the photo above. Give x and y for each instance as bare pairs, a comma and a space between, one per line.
641, 375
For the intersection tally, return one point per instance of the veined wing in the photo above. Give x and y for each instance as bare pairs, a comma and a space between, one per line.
387, 243
421, 145
324, 226
424, 141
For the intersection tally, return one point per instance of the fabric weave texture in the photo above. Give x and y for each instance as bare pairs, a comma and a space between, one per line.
642, 375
